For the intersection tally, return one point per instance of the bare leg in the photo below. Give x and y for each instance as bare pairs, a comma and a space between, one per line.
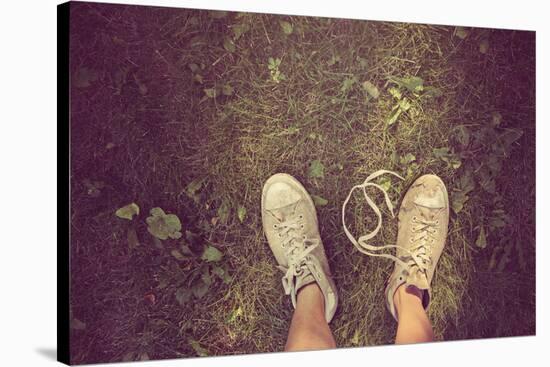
308, 328
413, 325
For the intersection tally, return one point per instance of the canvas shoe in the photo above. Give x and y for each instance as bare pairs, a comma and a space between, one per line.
422, 230
290, 225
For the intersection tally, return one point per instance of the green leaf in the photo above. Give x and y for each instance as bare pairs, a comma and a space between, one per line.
433, 92
222, 274
395, 93
128, 211
193, 188
404, 104
446, 155
333, 60
217, 14
205, 276
229, 45
235, 315
371, 89
201, 352
185, 249
413, 84
481, 241
316, 169
319, 201
177, 255
385, 183
441, 152
461, 32
407, 159
241, 213
163, 226
211, 254
347, 84
458, 200
394, 115
211, 92
239, 30
286, 26
183, 295
223, 212
355, 339
466, 182
218, 271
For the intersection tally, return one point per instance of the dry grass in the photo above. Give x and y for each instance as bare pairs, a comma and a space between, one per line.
169, 135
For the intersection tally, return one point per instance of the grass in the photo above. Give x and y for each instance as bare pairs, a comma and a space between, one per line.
142, 126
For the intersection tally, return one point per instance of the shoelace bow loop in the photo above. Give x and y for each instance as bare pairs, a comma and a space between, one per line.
418, 253
294, 243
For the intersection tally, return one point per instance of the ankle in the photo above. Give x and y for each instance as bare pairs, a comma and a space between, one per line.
407, 295
311, 296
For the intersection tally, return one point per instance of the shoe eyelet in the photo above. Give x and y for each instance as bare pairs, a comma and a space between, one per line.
275, 226
304, 237
414, 218
300, 216
302, 226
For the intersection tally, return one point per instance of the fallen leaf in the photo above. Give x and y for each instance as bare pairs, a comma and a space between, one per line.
223, 212
286, 26
371, 89
481, 241
177, 255
211, 92
241, 213
316, 169
162, 225
128, 211
461, 32
229, 45
201, 352
211, 254
484, 46
319, 201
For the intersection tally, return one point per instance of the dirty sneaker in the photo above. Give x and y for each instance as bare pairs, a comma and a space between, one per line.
291, 227
422, 230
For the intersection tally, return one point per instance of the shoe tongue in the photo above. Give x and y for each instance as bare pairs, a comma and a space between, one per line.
304, 280
418, 279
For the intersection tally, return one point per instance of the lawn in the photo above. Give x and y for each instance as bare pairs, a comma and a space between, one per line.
191, 111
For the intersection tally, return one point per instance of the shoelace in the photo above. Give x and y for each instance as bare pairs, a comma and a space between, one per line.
423, 237
420, 256
296, 251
